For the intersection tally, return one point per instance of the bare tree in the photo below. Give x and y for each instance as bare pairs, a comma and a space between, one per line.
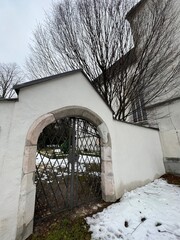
154, 75
129, 72
10, 74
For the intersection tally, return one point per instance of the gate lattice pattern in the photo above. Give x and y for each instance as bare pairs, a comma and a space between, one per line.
68, 166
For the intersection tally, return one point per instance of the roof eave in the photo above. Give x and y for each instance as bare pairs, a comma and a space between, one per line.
45, 79
134, 9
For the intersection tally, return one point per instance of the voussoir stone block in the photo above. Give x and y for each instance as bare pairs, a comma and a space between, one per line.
108, 188
37, 127
106, 153
27, 184
29, 159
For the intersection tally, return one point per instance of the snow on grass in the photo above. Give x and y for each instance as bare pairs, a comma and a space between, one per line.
79, 166
151, 212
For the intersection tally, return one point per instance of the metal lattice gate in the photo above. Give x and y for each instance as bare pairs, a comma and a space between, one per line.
68, 166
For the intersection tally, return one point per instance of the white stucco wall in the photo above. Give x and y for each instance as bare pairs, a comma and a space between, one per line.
7, 190
135, 158
167, 118
6, 112
137, 152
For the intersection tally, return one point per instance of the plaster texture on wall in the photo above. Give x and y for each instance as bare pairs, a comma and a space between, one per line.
172, 165
131, 156
167, 118
140, 156
7, 213
6, 112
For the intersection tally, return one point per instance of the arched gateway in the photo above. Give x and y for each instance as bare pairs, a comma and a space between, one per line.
72, 148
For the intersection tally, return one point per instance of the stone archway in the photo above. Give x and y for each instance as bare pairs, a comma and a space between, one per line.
28, 190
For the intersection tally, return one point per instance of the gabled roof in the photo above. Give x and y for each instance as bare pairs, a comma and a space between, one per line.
60, 75
45, 79
129, 58
124, 62
135, 9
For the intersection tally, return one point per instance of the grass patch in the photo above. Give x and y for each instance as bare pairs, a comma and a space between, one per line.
66, 229
67, 225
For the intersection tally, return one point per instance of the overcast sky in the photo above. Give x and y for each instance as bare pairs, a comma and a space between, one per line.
18, 18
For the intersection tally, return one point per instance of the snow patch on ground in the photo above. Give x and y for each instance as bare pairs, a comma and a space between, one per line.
151, 212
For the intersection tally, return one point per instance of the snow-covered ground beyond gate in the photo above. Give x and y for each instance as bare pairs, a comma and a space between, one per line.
151, 212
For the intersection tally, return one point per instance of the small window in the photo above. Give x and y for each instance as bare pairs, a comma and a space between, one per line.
138, 109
